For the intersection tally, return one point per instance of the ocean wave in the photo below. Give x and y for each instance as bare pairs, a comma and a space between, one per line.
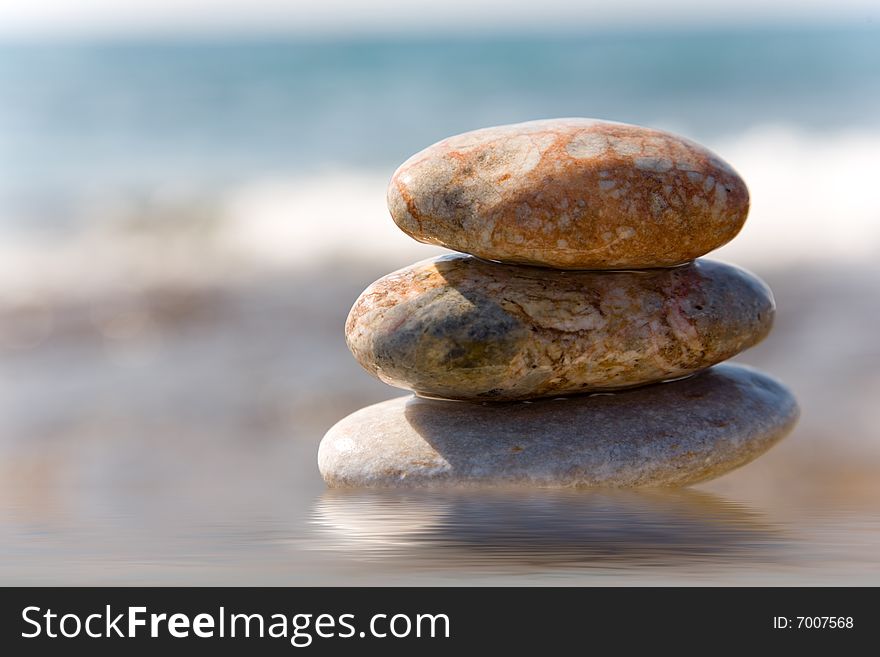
813, 199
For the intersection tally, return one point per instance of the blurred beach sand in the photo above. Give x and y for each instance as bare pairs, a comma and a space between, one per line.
148, 432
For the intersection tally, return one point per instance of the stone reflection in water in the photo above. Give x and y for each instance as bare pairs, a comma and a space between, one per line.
604, 529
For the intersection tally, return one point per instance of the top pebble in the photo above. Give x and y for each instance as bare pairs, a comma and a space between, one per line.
570, 194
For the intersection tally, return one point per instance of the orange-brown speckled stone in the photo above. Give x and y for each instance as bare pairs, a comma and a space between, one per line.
570, 194
461, 328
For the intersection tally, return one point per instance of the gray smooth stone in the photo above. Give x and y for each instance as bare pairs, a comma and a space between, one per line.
668, 434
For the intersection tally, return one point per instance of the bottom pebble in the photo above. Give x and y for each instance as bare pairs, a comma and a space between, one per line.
668, 434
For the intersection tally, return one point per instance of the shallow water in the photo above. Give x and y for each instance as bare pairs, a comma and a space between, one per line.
590, 538
434, 538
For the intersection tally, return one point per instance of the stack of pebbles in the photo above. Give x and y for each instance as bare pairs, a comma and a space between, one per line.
531, 358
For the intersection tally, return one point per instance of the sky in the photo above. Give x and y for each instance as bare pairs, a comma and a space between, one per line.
116, 17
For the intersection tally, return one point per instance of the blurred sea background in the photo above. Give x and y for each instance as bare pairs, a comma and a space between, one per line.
186, 218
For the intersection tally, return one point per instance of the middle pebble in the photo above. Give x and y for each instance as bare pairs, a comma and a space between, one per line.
457, 327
